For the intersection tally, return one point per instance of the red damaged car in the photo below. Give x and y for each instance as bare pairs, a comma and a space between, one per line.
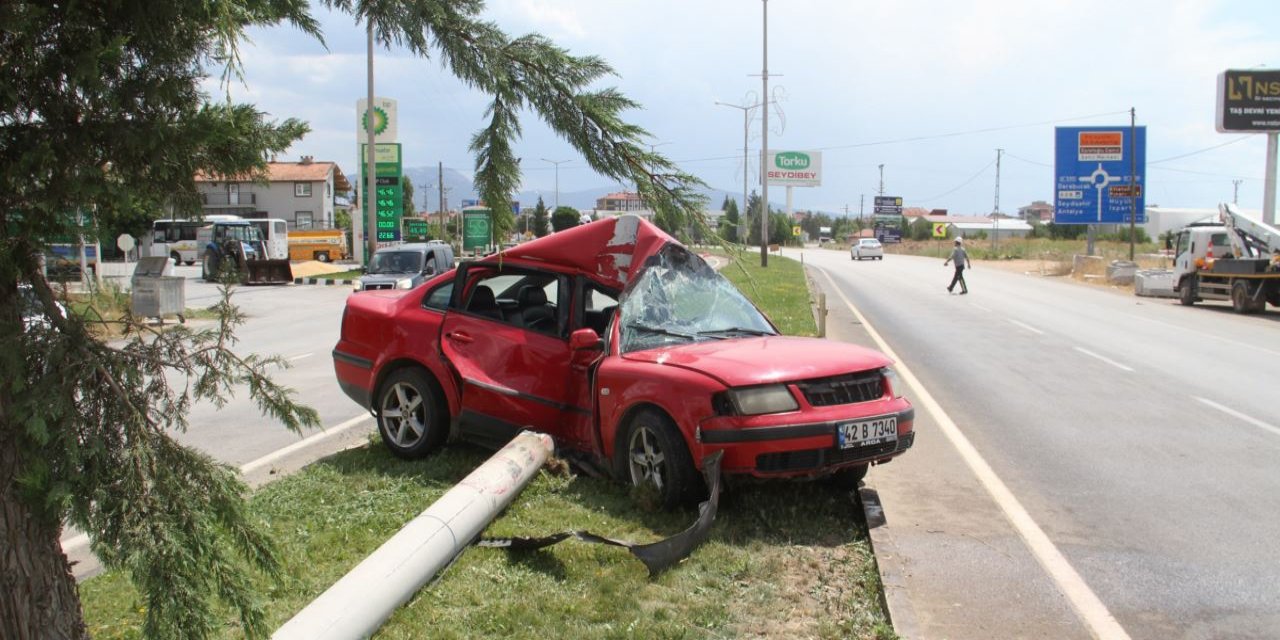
631, 352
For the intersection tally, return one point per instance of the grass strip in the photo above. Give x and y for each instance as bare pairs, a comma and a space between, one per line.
784, 559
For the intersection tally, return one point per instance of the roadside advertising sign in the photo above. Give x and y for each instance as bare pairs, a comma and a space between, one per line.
475, 228
1249, 100
794, 168
889, 204
1092, 182
415, 230
384, 120
389, 199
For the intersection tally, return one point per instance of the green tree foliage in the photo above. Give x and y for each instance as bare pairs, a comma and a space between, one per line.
921, 229
102, 111
729, 222
540, 219
564, 217
409, 210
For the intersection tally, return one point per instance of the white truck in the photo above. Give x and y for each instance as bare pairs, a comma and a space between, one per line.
1236, 259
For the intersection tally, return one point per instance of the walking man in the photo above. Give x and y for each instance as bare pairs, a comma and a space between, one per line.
961, 259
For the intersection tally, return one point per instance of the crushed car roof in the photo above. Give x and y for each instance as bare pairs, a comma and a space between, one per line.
613, 249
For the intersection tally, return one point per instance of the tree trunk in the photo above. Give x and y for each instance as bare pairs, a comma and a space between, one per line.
38, 595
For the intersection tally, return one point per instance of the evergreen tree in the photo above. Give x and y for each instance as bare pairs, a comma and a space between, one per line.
564, 217
729, 222
102, 112
540, 222
409, 211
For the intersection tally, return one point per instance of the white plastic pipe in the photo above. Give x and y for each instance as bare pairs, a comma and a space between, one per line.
357, 605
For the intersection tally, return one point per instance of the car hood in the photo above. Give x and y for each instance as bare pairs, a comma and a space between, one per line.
741, 362
387, 276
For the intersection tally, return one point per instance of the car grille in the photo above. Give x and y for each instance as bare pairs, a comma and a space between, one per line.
374, 287
815, 458
845, 389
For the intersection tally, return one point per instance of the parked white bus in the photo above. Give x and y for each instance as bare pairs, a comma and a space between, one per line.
177, 238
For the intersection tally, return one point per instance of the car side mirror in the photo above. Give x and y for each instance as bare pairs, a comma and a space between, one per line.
584, 339
364, 269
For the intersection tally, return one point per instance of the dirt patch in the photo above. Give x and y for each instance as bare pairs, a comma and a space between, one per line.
313, 268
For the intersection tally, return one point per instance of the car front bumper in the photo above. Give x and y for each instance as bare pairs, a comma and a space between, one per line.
799, 450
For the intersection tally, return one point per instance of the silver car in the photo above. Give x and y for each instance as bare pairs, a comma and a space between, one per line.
866, 248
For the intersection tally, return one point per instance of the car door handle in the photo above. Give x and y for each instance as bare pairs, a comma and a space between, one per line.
460, 337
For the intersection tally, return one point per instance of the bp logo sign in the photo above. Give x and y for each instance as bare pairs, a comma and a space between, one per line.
380, 121
795, 168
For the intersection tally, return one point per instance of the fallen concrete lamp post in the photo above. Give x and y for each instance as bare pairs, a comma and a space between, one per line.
357, 605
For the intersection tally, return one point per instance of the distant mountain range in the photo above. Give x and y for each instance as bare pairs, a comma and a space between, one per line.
458, 187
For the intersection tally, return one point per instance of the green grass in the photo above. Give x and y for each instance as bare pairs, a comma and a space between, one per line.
779, 290
784, 559
341, 275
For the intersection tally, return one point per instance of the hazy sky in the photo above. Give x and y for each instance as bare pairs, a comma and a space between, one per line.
930, 89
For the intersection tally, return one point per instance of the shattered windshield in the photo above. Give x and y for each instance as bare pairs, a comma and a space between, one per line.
678, 298
396, 262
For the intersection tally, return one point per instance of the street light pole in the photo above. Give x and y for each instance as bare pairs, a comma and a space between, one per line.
764, 150
746, 111
557, 163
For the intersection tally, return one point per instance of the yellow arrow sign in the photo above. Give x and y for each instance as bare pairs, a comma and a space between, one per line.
939, 229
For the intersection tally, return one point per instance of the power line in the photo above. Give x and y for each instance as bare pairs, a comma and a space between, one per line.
961, 186
1192, 153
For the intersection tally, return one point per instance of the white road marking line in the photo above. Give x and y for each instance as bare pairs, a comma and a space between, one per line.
980, 307
1104, 359
305, 355
1087, 604
83, 539
1232, 412
1024, 326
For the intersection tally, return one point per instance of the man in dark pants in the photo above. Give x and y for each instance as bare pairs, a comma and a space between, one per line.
961, 259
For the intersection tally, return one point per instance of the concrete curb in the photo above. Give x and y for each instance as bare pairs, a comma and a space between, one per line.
323, 281
893, 574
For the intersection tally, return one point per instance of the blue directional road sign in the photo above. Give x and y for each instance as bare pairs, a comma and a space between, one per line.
1092, 184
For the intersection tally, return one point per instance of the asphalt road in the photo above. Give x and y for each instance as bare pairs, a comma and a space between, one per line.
1139, 436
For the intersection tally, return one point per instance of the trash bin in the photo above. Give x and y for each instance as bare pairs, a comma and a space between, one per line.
156, 295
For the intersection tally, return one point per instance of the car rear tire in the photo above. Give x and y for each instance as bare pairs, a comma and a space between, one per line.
322, 256
1241, 300
849, 477
654, 456
409, 418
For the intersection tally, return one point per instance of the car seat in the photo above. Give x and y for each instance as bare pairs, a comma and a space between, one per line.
534, 312
484, 303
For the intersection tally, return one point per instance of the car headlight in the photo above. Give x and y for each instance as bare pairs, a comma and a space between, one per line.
895, 384
359, 285
756, 401
406, 283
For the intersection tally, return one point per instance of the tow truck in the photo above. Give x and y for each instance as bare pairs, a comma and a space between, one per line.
1236, 259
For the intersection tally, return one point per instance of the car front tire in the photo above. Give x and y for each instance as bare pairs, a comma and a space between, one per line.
654, 457
409, 418
848, 478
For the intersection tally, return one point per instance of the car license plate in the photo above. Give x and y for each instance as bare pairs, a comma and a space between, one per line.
867, 432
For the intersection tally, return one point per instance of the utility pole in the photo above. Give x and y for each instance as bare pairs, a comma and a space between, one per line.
1133, 177
1235, 197
881, 179
862, 202
371, 167
440, 182
995, 217
764, 150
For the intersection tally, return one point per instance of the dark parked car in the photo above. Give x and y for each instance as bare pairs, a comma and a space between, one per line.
406, 266
631, 352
